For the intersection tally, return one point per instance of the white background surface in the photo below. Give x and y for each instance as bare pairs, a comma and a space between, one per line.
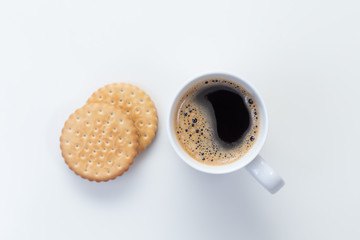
303, 57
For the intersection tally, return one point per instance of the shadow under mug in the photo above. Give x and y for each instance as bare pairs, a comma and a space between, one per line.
252, 161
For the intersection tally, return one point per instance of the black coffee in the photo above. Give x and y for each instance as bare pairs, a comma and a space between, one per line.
217, 121
232, 117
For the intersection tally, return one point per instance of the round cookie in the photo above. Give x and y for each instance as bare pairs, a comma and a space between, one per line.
99, 142
136, 104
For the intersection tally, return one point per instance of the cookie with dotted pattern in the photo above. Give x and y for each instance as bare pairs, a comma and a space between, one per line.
99, 142
136, 104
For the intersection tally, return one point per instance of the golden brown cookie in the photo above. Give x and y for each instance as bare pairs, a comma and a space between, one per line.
136, 104
99, 142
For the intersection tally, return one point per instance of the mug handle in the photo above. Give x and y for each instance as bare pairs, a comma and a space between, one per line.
265, 175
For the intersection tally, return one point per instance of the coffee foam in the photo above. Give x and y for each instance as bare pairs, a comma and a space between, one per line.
195, 125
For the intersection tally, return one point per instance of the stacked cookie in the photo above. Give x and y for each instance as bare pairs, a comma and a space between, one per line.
100, 140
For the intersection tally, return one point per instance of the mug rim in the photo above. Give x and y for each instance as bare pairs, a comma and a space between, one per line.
244, 160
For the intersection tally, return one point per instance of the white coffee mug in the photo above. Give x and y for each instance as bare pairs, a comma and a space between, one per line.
252, 161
